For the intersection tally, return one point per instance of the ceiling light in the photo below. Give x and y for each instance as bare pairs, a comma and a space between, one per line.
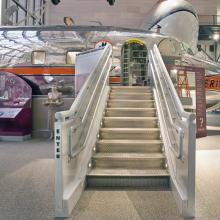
215, 36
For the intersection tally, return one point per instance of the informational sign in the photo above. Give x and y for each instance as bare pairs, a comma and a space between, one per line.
212, 83
9, 112
200, 103
102, 43
14, 91
200, 96
85, 63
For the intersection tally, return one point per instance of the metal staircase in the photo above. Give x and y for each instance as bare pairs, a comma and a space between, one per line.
129, 151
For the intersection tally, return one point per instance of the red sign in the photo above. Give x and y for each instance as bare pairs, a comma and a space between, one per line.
102, 43
212, 83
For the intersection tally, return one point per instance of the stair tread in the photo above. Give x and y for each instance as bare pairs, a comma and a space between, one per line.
132, 130
130, 100
130, 141
131, 93
130, 118
128, 172
130, 109
131, 87
132, 156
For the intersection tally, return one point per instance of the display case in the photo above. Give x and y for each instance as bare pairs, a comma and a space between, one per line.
15, 108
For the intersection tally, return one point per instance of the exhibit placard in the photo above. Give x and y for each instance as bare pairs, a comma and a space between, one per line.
85, 63
9, 112
196, 78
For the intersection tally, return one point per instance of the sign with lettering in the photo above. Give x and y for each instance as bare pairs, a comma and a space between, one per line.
212, 82
200, 103
102, 43
197, 75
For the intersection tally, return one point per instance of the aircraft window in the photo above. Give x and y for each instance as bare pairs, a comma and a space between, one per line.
71, 57
38, 57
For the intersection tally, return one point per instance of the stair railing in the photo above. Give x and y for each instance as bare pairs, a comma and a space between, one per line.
76, 132
178, 134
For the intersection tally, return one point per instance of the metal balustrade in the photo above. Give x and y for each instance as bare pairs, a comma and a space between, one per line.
76, 133
178, 133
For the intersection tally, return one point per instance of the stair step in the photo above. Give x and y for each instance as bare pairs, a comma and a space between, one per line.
128, 156
130, 122
128, 172
131, 88
118, 92
119, 103
129, 149
130, 112
124, 92
129, 146
133, 182
130, 133
129, 160
131, 96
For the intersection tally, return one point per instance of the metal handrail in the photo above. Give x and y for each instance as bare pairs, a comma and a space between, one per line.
178, 129
96, 81
80, 149
63, 115
175, 98
156, 63
88, 106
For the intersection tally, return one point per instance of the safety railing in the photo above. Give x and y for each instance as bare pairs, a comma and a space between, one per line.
80, 109
76, 133
178, 133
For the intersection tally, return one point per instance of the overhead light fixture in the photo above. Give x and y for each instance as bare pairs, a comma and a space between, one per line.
111, 2
215, 36
55, 2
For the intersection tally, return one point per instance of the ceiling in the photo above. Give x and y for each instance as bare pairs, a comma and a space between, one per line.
124, 13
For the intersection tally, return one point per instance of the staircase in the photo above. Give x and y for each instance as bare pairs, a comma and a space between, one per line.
129, 152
